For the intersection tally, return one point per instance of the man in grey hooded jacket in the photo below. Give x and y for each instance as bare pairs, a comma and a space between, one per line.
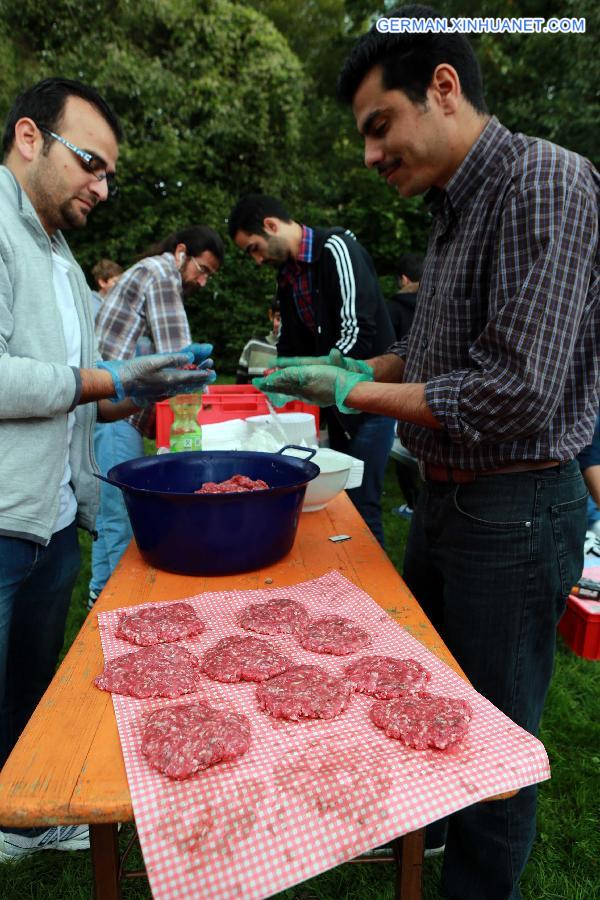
60, 148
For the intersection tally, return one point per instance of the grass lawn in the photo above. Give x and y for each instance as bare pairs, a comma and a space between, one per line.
564, 864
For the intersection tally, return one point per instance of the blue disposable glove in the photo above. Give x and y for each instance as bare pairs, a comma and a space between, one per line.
335, 358
148, 379
321, 385
201, 354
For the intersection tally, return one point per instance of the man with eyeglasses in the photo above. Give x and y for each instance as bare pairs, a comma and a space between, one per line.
144, 313
60, 149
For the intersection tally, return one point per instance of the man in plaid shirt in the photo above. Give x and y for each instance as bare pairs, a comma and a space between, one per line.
144, 313
495, 389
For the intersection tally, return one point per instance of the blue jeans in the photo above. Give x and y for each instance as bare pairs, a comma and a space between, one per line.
36, 583
491, 563
114, 442
371, 443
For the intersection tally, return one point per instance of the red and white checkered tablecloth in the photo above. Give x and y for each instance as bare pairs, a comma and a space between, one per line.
306, 796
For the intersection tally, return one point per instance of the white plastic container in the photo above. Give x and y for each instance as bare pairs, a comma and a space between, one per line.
298, 427
337, 469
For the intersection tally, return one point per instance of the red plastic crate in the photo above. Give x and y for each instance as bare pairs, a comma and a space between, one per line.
580, 627
224, 402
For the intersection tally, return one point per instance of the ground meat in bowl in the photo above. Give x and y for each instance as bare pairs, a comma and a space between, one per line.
237, 484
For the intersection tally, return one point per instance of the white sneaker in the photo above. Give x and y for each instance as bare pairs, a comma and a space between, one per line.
59, 837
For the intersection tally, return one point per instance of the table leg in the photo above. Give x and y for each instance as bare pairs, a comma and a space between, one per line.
104, 843
408, 852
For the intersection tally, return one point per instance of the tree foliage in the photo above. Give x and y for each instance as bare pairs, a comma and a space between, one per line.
209, 94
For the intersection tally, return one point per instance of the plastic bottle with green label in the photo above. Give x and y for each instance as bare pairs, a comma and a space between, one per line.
186, 431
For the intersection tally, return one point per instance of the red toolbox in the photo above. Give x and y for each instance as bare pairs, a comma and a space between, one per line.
222, 402
580, 627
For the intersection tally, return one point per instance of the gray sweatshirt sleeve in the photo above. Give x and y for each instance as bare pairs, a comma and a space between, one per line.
31, 387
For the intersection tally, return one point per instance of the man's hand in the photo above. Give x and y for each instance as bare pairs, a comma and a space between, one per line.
148, 379
201, 354
335, 358
323, 385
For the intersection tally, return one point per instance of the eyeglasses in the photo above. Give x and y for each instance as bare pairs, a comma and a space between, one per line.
203, 270
93, 164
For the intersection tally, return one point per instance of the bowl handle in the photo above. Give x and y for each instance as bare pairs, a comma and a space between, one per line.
310, 450
112, 483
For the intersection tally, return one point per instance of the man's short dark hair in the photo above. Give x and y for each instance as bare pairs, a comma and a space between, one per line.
197, 239
250, 211
411, 265
45, 103
408, 61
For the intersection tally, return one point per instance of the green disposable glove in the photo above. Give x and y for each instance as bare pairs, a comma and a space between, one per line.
321, 385
335, 358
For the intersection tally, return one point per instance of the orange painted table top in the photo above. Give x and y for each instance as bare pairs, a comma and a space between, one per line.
67, 766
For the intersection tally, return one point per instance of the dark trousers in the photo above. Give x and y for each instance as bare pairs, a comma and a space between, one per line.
491, 563
372, 441
36, 583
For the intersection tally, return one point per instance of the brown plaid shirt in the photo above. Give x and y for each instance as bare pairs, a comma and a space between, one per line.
507, 327
146, 302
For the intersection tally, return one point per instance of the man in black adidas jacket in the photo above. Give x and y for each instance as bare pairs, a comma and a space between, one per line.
330, 299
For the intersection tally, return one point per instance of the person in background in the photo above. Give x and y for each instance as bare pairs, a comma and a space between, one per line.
105, 273
402, 310
263, 349
496, 389
60, 148
144, 313
330, 301
402, 305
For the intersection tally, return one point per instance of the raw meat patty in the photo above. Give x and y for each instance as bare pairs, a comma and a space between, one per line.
423, 720
159, 624
278, 616
237, 484
181, 740
243, 659
161, 671
386, 677
304, 691
334, 634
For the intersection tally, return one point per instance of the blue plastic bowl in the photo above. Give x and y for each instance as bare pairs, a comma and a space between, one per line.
213, 534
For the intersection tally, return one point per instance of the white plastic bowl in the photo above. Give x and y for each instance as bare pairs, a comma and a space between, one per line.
335, 471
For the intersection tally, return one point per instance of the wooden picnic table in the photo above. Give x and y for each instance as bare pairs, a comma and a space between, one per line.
67, 767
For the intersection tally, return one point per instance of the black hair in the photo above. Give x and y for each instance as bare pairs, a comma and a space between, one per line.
408, 60
411, 265
44, 102
197, 239
275, 305
250, 211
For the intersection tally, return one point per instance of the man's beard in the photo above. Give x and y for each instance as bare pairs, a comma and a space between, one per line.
55, 214
70, 218
277, 251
